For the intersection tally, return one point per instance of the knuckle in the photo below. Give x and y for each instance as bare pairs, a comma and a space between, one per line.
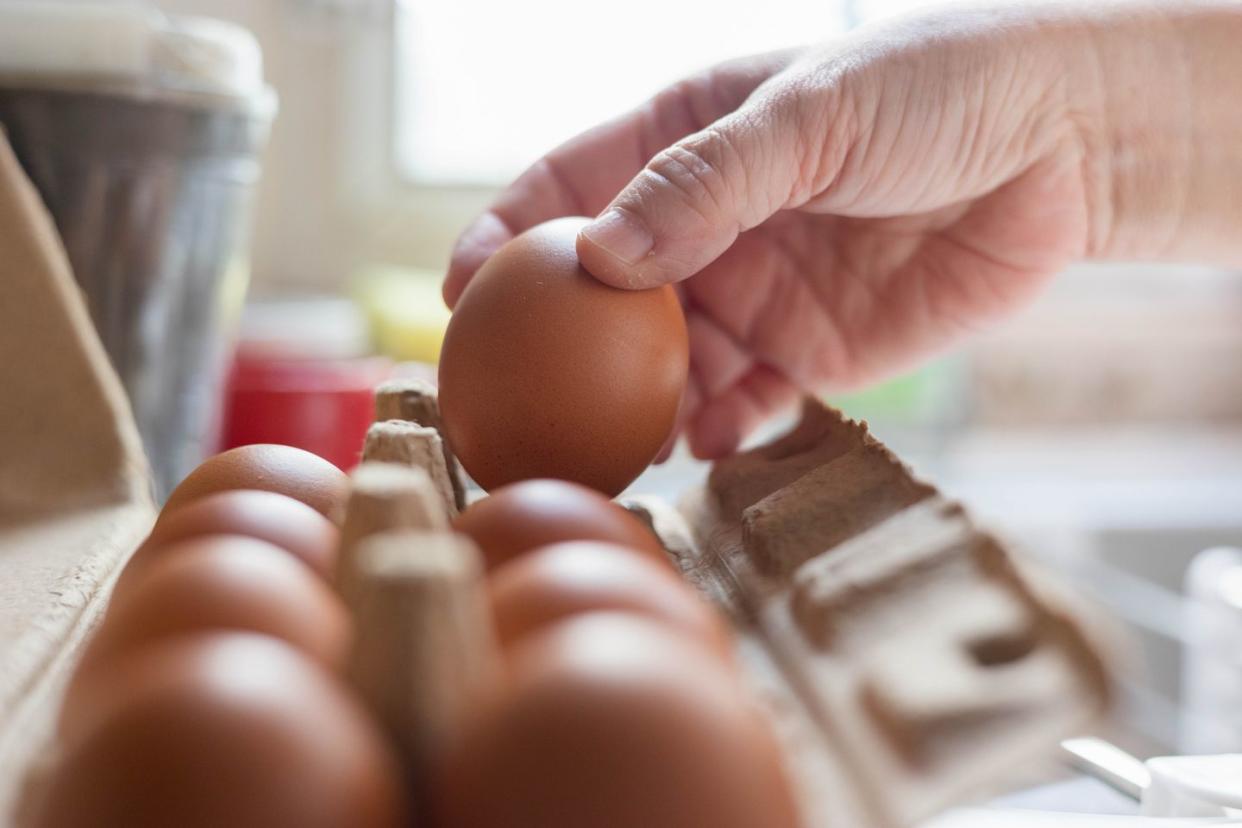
825, 117
681, 109
702, 169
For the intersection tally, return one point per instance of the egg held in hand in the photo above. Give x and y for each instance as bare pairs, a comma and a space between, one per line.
548, 372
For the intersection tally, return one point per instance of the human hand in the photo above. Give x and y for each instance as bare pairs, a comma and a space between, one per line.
835, 215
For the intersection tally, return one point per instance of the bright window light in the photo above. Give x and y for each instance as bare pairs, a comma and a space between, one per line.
861, 11
485, 87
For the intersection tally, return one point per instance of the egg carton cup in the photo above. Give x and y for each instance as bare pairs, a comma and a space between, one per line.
907, 662
902, 657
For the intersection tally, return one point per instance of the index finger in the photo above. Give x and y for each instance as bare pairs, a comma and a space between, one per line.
581, 176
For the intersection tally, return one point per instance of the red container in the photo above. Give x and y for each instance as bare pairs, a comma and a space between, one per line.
322, 405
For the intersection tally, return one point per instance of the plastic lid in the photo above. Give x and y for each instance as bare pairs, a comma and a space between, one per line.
1194, 786
75, 42
304, 328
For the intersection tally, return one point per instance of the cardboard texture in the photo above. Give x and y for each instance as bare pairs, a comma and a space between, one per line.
415, 401
903, 659
74, 496
408, 443
424, 652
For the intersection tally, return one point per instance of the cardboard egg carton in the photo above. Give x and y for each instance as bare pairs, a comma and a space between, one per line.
74, 489
903, 659
907, 661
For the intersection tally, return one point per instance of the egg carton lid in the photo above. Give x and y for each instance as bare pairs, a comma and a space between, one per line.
125, 46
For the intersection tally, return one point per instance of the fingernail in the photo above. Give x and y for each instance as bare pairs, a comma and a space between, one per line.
622, 234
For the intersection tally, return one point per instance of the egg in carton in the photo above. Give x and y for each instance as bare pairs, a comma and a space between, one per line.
903, 658
75, 492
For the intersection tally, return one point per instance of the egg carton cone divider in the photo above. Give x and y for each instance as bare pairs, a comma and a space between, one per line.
424, 653
904, 660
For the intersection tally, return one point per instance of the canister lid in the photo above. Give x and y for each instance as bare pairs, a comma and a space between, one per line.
125, 45
304, 327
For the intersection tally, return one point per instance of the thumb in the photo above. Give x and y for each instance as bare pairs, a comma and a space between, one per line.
692, 200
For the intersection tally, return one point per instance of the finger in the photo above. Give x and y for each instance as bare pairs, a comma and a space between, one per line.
691, 401
581, 176
782, 294
728, 376
691, 201
477, 242
543, 192
718, 361
727, 419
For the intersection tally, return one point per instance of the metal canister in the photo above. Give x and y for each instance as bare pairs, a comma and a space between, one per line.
143, 134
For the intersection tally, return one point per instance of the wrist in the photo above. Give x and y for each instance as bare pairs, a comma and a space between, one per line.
1160, 138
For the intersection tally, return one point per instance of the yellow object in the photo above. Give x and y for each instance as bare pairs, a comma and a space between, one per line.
405, 311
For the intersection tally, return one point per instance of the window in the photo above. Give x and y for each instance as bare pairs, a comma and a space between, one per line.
484, 87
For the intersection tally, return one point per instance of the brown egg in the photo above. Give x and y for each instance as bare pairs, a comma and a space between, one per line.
224, 582
547, 372
223, 730
275, 518
612, 721
282, 469
566, 579
524, 516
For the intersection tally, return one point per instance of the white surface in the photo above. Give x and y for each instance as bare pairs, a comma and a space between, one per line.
126, 41
1105, 477
310, 328
1212, 662
1194, 786
996, 818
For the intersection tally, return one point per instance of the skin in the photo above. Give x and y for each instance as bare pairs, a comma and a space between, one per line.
838, 214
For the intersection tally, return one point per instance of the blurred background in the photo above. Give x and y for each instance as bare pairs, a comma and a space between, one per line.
1101, 430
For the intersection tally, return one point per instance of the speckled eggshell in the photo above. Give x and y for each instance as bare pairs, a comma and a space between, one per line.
222, 730
564, 580
614, 721
224, 582
267, 516
547, 372
285, 470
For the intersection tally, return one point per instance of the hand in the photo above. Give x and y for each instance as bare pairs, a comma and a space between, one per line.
834, 216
